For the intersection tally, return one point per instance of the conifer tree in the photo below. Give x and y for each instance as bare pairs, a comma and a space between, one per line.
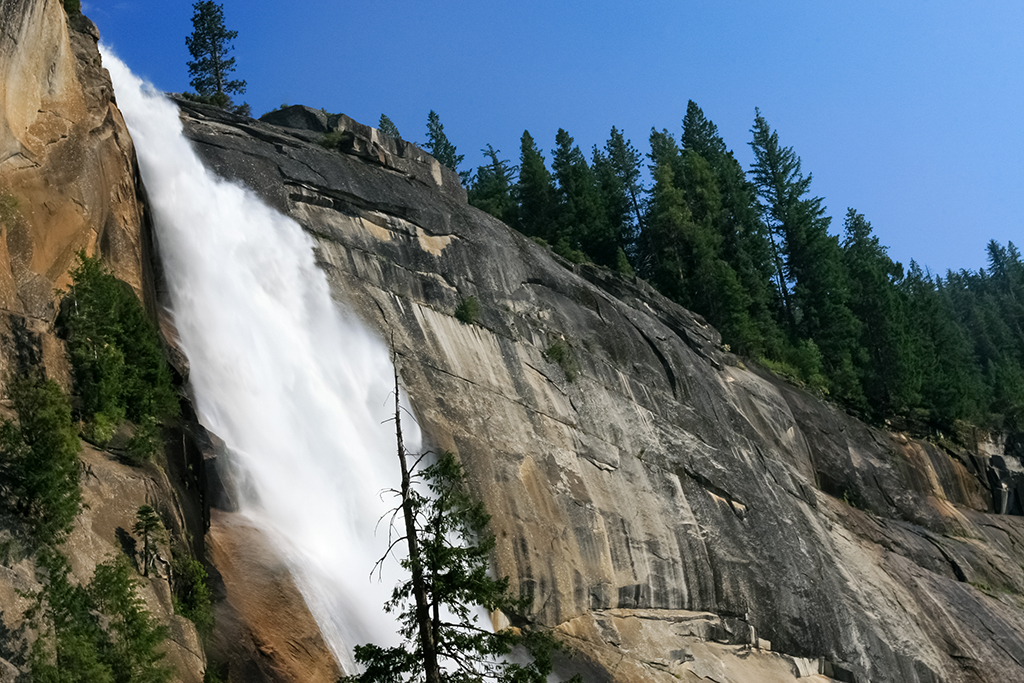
886, 361
149, 526
39, 476
441, 148
624, 161
449, 548
581, 218
745, 245
209, 45
491, 189
952, 385
809, 272
387, 127
534, 193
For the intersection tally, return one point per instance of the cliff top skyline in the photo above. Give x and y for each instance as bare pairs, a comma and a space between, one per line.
909, 114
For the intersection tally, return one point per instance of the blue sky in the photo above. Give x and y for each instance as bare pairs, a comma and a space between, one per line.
910, 112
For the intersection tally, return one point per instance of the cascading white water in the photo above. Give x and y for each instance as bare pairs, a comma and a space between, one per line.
297, 388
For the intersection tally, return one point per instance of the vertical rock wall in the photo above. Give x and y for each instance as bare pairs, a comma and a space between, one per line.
69, 183
673, 514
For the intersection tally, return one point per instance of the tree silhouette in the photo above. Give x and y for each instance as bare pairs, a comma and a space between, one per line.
149, 526
209, 45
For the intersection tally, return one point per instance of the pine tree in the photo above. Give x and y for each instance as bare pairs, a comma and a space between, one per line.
952, 384
581, 217
534, 193
492, 186
441, 148
809, 271
209, 45
887, 362
624, 163
448, 562
387, 127
39, 475
745, 244
149, 526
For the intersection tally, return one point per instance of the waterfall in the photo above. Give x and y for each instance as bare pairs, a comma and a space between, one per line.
292, 382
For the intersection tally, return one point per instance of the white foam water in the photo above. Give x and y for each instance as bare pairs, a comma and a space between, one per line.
294, 384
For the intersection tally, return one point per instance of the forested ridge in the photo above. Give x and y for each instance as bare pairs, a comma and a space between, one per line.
751, 250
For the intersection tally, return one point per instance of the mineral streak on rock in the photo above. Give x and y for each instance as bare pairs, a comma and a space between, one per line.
671, 513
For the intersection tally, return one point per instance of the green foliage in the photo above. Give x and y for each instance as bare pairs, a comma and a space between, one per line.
454, 556
212, 675
134, 635
148, 525
441, 148
622, 265
73, 7
8, 208
581, 214
192, 597
559, 353
468, 310
144, 443
491, 187
333, 139
534, 194
115, 352
209, 44
39, 459
753, 254
564, 249
387, 127
100, 634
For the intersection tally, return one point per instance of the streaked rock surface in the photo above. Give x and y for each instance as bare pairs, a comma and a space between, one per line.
666, 478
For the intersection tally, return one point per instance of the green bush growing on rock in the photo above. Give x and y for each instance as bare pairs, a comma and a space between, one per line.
565, 250
100, 633
332, 140
145, 442
192, 598
560, 353
39, 459
115, 352
8, 208
73, 7
468, 310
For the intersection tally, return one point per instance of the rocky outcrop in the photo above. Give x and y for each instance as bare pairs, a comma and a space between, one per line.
67, 166
264, 631
69, 183
672, 513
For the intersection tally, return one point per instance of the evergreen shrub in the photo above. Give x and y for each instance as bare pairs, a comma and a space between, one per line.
115, 352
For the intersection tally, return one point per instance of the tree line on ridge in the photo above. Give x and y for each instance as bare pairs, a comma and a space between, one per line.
751, 251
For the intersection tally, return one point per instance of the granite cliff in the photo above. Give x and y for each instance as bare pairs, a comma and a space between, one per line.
673, 513
68, 184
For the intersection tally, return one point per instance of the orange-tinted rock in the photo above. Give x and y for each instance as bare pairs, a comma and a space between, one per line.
265, 633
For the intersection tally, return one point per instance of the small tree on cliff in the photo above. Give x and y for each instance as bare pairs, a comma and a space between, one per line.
449, 548
209, 45
441, 148
149, 526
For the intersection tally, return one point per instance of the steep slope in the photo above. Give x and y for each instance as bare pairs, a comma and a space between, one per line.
68, 183
672, 513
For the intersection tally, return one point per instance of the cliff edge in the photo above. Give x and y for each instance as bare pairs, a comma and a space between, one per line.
673, 514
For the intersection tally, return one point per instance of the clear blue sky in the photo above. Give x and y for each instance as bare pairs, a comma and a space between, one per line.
910, 112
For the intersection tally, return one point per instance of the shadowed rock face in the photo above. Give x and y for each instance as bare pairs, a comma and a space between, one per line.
673, 514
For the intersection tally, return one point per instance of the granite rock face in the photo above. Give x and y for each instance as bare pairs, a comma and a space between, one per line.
69, 183
67, 163
671, 512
